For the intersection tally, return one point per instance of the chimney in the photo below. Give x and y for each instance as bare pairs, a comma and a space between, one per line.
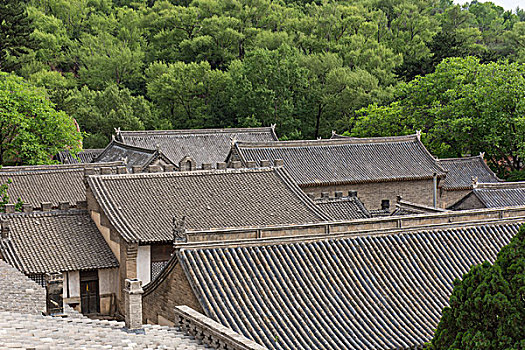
63, 206
27, 208
105, 170
121, 170
338, 194
236, 164
9, 208
352, 193
251, 164
385, 204
5, 228
169, 168
54, 289
206, 166
325, 195
221, 165
135, 169
46, 206
133, 303
278, 162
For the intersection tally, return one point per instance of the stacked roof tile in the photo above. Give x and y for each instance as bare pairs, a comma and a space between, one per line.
383, 291
462, 172
19, 293
203, 145
131, 155
346, 160
84, 156
57, 241
141, 206
343, 208
48, 183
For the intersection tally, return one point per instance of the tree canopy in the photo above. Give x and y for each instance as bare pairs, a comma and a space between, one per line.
464, 107
31, 130
487, 307
305, 65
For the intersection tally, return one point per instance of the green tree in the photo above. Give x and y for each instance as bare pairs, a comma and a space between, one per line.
464, 107
99, 112
15, 33
31, 130
487, 307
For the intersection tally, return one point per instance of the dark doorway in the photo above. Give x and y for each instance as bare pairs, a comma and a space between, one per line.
89, 297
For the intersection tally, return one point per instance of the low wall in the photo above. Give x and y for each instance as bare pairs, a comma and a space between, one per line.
210, 332
357, 226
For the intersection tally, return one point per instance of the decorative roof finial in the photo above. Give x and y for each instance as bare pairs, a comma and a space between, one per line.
334, 132
418, 134
157, 147
124, 160
179, 230
272, 126
474, 181
482, 155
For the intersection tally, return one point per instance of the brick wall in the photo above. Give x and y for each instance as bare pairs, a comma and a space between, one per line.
470, 202
371, 194
170, 290
128, 269
448, 198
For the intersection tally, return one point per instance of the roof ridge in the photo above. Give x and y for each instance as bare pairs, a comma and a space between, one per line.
322, 142
51, 213
500, 185
56, 167
196, 131
198, 172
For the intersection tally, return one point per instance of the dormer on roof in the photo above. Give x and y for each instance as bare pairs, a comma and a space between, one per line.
134, 157
205, 146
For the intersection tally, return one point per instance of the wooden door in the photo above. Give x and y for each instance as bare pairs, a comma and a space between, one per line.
89, 296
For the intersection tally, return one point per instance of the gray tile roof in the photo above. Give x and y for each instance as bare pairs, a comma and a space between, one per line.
382, 291
131, 155
141, 206
203, 145
48, 183
84, 156
43, 332
344, 208
504, 194
55, 241
346, 160
461, 172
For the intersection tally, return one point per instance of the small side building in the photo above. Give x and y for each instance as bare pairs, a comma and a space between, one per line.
66, 242
461, 174
492, 195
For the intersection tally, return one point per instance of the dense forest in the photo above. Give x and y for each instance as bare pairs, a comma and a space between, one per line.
367, 67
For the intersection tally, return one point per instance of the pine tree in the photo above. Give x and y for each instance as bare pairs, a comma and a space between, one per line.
15, 31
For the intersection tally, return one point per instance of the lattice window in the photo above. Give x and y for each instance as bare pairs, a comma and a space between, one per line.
156, 268
40, 279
